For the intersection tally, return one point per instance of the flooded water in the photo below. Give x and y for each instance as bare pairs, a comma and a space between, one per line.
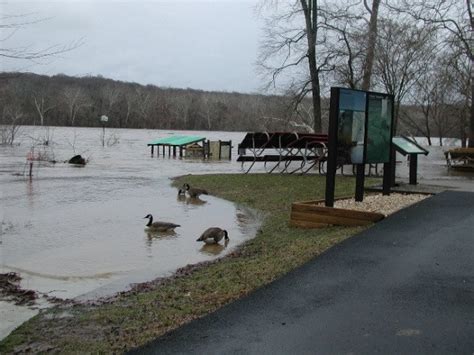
79, 231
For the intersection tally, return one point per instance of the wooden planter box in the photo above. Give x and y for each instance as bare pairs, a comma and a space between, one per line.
310, 214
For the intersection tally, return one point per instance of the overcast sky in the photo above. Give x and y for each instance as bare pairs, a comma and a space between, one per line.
209, 45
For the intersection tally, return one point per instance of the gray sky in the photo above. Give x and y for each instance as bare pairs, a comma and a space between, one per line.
209, 45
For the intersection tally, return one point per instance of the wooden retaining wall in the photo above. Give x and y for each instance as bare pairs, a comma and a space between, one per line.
313, 214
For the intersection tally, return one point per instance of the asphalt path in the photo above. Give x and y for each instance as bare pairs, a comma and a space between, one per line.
404, 286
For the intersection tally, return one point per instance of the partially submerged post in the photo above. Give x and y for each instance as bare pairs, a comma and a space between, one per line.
103, 119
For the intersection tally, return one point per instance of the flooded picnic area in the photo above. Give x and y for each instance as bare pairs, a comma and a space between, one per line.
79, 232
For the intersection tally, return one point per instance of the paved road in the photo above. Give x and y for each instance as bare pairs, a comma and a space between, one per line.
404, 286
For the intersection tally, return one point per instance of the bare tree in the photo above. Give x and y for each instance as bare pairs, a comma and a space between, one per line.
372, 41
110, 95
292, 40
180, 105
455, 18
74, 99
42, 106
458, 70
130, 103
10, 124
432, 95
208, 103
402, 50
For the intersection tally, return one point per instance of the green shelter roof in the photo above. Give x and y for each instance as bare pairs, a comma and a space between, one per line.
177, 140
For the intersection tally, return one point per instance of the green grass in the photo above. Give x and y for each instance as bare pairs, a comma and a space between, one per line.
134, 318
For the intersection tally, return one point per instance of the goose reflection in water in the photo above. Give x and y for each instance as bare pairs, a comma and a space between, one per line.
152, 235
190, 200
214, 249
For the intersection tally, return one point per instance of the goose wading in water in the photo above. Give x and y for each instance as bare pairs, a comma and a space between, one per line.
193, 192
213, 235
159, 226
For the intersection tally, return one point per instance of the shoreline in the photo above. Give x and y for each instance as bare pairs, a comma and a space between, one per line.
134, 317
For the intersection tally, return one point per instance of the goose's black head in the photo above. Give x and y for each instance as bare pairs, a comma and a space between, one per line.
226, 235
181, 192
186, 187
148, 216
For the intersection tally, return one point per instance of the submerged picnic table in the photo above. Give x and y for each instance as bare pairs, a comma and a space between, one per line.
180, 142
283, 148
460, 158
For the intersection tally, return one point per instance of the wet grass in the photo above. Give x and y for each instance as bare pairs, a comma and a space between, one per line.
134, 318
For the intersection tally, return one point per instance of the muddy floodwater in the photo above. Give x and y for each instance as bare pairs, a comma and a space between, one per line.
79, 232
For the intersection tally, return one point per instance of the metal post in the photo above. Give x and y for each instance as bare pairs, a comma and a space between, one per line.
387, 169
413, 168
393, 159
359, 192
332, 148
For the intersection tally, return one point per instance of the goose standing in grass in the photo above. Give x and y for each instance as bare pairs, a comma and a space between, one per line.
213, 235
159, 226
193, 192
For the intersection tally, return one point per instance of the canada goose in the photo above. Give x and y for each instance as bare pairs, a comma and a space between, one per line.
213, 235
193, 192
181, 195
159, 226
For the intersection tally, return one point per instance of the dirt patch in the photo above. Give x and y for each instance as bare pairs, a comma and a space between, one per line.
11, 290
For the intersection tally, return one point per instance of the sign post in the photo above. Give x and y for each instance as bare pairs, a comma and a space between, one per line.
406, 146
104, 119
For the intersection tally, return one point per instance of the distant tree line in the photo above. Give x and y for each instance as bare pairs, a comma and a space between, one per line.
61, 100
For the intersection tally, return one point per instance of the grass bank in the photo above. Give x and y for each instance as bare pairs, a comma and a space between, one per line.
133, 318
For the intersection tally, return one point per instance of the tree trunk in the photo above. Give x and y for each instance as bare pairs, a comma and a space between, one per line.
369, 58
310, 10
428, 133
427, 126
471, 57
471, 118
